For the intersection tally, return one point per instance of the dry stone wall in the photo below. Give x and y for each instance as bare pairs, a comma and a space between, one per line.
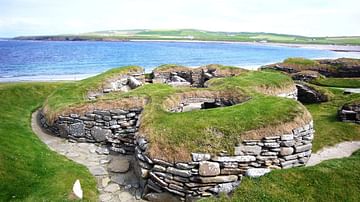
208, 175
116, 128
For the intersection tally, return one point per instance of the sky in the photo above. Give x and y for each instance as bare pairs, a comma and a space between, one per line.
305, 17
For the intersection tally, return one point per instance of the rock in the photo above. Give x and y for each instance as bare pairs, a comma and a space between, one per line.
123, 179
287, 137
133, 82
192, 107
161, 197
307, 94
200, 157
105, 197
284, 151
242, 159
350, 113
175, 171
77, 189
247, 150
257, 172
63, 130
119, 164
225, 188
303, 148
305, 75
77, 129
105, 181
177, 79
102, 151
179, 84
100, 134
216, 179
126, 197
208, 168
111, 188
98, 171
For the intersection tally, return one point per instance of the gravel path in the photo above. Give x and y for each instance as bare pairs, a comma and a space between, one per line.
114, 187
341, 150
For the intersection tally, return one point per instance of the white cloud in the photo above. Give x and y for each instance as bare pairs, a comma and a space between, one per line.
307, 17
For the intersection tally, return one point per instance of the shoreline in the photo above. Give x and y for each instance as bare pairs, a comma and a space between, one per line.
329, 47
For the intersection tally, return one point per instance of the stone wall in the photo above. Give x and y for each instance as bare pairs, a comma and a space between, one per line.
116, 128
350, 113
207, 175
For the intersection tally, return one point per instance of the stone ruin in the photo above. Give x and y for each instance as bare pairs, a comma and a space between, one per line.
350, 113
206, 174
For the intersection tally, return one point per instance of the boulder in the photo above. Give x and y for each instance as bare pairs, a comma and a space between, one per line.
257, 172
77, 129
284, 151
133, 82
207, 168
119, 164
306, 94
100, 134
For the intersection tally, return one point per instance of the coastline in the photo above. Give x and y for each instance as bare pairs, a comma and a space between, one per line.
336, 48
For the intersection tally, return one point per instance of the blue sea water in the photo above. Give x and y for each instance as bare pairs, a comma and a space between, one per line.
46, 60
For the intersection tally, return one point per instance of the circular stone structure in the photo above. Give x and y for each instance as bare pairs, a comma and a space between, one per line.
249, 124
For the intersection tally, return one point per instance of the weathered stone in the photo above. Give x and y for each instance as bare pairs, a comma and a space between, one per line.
105, 197
200, 157
247, 150
175, 171
77, 129
158, 180
287, 137
257, 172
216, 179
100, 134
229, 164
119, 164
111, 188
225, 187
303, 148
287, 164
288, 143
272, 144
161, 197
63, 130
131, 115
208, 168
162, 162
184, 166
230, 171
133, 82
159, 168
233, 158
286, 151
102, 150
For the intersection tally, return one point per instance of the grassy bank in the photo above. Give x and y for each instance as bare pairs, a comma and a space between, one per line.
338, 82
333, 180
29, 171
328, 129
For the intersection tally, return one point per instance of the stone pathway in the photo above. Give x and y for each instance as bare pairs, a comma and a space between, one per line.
341, 150
112, 186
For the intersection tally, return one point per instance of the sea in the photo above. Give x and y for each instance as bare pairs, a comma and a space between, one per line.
74, 60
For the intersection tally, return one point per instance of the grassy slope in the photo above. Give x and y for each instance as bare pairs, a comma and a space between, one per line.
338, 82
334, 180
328, 130
76, 92
184, 34
29, 171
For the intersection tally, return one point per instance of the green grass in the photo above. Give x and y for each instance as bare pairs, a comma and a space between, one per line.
202, 35
338, 82
333, 180
194, 134
76, 92
300, 61
29, 171
328, 129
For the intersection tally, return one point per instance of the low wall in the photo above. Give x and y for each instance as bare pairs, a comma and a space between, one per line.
206, 174
116, 128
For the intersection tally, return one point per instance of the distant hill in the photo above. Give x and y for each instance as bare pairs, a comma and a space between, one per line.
194, 34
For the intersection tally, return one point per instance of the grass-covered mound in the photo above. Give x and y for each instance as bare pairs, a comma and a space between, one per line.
338, 82
174, 136
333, 180
338, 68
29, 171
75, 93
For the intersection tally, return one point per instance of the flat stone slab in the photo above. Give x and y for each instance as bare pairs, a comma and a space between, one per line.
119, 164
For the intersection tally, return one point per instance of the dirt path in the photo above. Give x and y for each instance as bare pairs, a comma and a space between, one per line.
341, 150
114, 187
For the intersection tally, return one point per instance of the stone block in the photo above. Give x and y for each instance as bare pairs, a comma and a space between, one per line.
207, 168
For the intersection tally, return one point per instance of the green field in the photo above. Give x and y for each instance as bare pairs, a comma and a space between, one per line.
29, 171
202, 35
